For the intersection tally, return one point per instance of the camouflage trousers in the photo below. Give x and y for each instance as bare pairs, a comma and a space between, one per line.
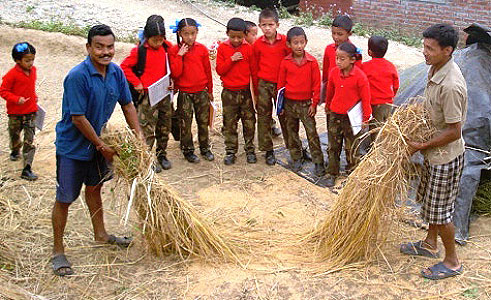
264, 107
156, 122
237, 105
380, 113
18, 123
339, 130
296, 111
199, 103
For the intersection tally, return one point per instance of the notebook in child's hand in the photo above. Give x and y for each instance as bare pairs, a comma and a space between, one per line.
355, 115
40, 116
280, 101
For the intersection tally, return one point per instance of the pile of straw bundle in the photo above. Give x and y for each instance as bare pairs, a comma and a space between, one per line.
170, 223
360, 218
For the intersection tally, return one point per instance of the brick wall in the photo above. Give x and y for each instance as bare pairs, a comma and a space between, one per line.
406, 15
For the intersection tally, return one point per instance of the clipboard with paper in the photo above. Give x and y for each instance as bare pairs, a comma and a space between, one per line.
160, 89
40, 117
280, 101
355, 115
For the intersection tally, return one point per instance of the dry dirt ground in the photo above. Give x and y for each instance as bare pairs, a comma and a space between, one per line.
267, 203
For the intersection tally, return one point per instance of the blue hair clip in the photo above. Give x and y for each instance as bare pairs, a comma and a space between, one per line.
21, 47
358, 50
175, 28
198, 24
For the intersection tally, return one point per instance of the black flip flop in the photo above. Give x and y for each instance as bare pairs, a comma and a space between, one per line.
61, 262
440, 271
417, 249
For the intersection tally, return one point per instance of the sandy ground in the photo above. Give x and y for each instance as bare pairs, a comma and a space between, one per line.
267, 203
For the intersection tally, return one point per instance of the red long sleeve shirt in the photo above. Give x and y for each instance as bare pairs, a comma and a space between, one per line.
267, 58
343, 92
18, 84
235, 75
301, 80
155, 66
329, 61
383, 78
192, 71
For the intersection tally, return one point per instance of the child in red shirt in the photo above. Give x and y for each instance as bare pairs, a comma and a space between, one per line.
234, 65
347, 85
384, 81
155, 121
341, 31
300, 75
19, 90
269, 51
191, 71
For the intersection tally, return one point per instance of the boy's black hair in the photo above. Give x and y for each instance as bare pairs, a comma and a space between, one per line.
236, 24
269, 13
295, 31
101, 30
155, 26
21, 49
343, 21
348, 48
444, 34
183, 23
378, 45
249, 25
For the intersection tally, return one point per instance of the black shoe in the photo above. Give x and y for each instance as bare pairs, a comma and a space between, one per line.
251, 158
27, 174
191, 157
319, 170
270, 159
297, 165
165, 163
156, 167
276, 131
14, 156
306, 155
229, 159
330, 181
208, 155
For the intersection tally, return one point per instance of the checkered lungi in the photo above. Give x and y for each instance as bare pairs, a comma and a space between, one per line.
438, 190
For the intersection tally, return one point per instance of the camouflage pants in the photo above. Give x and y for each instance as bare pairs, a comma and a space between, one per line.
267, 94
17, 123
199, 103
238, 105
339, 129
380, 113
156, 122
296, 111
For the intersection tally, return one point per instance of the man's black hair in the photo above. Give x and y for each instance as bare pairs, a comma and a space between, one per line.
295, 31
155, 26
348, 48
343, 21
183, 23
236, 24
444, 34
21, 49
249, 25
269, 13
101, 30
378, 45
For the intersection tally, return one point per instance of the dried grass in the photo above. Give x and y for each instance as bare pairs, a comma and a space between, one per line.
171, 225
360, 219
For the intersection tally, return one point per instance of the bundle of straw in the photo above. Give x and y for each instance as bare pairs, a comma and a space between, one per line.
360, 218
170, 223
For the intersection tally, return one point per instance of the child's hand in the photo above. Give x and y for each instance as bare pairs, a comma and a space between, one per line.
171, 85
312, 111
211, 96
183, 50
364, 126
237, 56
139, 88
22, 100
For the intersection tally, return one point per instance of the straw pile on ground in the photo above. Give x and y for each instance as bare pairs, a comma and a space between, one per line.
171, 225
360, 218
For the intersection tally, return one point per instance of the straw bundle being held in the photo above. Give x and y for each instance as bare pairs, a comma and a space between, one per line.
360, 218
170, 223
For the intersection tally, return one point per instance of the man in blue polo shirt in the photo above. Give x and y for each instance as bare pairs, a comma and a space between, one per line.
91, 90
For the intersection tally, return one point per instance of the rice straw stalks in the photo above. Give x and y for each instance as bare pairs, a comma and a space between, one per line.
170, 223
360, 219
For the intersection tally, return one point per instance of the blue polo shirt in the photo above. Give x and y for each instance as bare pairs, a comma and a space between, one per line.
86, 92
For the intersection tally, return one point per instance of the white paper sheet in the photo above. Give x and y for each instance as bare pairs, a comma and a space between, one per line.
40, 117
355, 115
160, 89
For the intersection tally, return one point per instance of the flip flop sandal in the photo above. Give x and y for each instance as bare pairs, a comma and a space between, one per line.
440, 271
123, 242
416, 248
61, 262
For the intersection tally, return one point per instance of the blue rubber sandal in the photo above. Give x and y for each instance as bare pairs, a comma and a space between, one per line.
440, 271
417, 249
